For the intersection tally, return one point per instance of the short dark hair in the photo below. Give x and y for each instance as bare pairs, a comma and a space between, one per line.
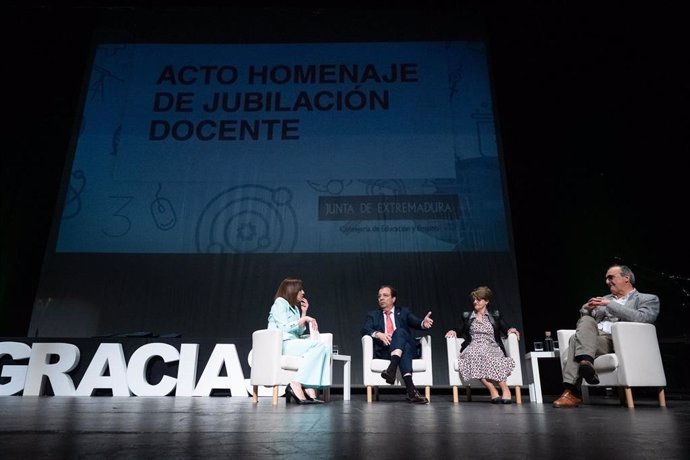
394, 292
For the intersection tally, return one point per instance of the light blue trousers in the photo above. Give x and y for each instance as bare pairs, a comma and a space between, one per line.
315, 371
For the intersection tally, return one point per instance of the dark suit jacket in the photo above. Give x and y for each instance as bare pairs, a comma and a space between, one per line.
496, 320
403, 318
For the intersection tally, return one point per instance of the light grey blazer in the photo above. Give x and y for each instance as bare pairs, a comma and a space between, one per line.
640, 308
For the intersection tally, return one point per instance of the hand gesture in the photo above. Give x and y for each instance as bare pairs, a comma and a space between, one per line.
304, 320
596, 302
385, 338
512, 330
427, 322
304, 306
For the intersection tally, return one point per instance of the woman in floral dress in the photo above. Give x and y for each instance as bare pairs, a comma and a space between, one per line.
482, 355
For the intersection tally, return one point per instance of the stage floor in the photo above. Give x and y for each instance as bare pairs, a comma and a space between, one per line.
233, 427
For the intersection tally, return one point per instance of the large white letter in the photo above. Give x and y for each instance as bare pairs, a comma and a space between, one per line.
223, 353
40, 369
108, 355
15, 372
186, 372
136, 371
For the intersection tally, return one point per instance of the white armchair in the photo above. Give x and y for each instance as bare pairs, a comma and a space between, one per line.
372, 367
512, 347
636, 361
270, 367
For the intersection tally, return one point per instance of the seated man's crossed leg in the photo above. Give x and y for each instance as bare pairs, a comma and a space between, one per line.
403, 349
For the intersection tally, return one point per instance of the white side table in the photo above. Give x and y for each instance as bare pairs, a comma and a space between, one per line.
346, 360
532, 361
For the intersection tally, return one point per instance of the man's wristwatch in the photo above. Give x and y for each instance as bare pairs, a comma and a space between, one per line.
373, 334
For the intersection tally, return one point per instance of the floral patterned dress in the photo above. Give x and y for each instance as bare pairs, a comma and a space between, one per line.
483, 358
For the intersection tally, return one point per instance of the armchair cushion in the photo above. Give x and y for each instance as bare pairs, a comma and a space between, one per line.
380, 365
606, 363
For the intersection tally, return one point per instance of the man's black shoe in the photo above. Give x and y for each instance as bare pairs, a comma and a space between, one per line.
587, 372
388, 376
416, 398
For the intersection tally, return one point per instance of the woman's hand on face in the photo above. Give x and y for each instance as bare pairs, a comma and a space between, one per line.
304, 305
451, 334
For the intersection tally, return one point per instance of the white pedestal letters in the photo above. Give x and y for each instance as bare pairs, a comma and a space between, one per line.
52, 362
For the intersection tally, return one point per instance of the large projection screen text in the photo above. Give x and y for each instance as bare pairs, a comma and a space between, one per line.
286, 148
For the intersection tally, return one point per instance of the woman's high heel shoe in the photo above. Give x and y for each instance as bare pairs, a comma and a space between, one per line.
313, 400
290, 394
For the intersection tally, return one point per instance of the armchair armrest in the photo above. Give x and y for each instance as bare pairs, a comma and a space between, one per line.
266, 351
452, 349
563, 336
327, 338
426, 347
367, 353
639, 358
512, 346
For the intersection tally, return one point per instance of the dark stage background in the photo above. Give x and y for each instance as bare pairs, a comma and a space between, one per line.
593, 122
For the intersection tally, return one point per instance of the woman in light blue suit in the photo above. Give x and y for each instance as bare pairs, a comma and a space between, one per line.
289, 314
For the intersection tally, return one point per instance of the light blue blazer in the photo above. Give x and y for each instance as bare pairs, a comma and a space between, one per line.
315, 370
285, 317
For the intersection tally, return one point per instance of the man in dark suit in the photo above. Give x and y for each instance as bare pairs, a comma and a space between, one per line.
389, 326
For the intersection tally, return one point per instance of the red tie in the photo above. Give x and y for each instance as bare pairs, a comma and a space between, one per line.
389, 323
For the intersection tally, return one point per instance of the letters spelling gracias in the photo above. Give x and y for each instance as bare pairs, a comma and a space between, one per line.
124, 379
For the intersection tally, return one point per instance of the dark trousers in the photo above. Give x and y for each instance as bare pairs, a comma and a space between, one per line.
402, 340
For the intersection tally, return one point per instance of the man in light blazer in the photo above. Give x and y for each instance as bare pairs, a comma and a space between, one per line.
593, 332
396, 341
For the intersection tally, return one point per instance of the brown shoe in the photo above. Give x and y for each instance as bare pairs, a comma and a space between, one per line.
388, 376
568, 399
416, 398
